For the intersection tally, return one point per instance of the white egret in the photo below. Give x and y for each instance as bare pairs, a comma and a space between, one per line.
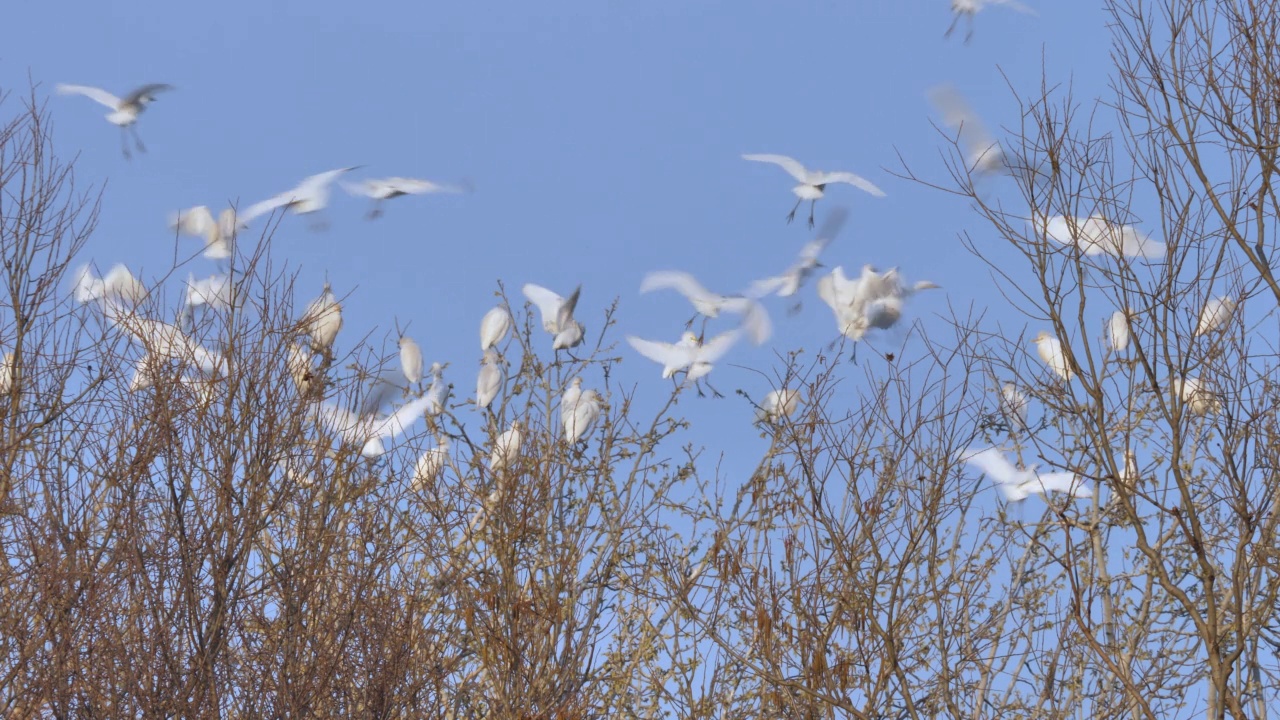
410, 360
694, 357
118, 290
755, 319
215, 292
1013, 405
490, 378
778, 404
311, 195
1018, 484
1216, 313
383, 189
557, 315
1051, 352
813, 183
166, 342
218, 235
430, 464
1118, 330
438, 392
494, 327
323, 319
371, 429
1130, 477
967, 9
506, 448
1096, 236
789, 282
300, 367
874, 300
124, 111
982, 154
7, 367
579, 411
1197, 399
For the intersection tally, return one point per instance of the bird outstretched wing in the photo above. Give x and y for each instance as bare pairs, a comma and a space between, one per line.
96, 94
791, 165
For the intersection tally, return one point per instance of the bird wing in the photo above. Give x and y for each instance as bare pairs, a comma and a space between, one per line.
548, 303
766, 286
310, 185
96, 94
682, 282
1066, 482
364, 188
811, 250
87, 287
193, 221
1014, 5
956, 112
830, 227
397, 422
269, 205
121, 283
148, 90
755, 318
564, 316
667, 354
709, 352
791, 165
850, 178
418, 186
994, 465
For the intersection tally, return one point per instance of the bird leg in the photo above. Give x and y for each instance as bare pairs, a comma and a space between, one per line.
792, 215
812, 203
124, 143
375, 212
712, 388
137, 140
319, 224
955, 20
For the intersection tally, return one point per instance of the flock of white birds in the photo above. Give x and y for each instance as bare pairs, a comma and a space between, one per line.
873, 300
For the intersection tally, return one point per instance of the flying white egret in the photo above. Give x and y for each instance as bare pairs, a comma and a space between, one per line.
557, 315
215, 292
1215, 314
506, 448
755, 319
813, 183
1013, 405
438, 392
1118, 330
579, 411
494, 327
778, 404
1018, 484
371, 430
383, 189
873, 300
789, 282
119, 289
1096, 236
124, 111
311, 195
218, 234
323, 319
982, 154
490, 378
430, 464
410, 360
967, 9
1050, 350
694, 357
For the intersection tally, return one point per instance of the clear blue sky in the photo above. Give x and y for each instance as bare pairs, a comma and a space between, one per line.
603, 139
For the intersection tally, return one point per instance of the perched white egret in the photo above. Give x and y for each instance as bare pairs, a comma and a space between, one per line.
982, 154
494, 327
813, 183
1197, 399
430, 464
166, 342
1096, 236
1130, 477
789, 282
311, 195
506, 448
118, 290
490, 378
215, 292
778, 404
1118, 330
300, 367
124, 111
218, 235
410, 360
696, 358
579, 411
1216, 313
1013, 405
1018, 484
438, 392
557, 315
372, 429
323, 319
967, 9
1051, 352
755, 319
7, 367
383, 189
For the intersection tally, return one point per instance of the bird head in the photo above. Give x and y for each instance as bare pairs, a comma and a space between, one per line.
1041, 337
689, 338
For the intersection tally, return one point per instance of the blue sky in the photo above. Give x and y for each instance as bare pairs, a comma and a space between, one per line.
603, 140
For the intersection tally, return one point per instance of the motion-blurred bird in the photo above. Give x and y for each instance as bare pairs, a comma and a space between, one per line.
983, 155
494, 327
311, 195
1096, 236
557, 315
1050, 351
382, 189
438, 393
124, 111
7, 367
755, 319
778, 404
1018, 484
790, 282
813, 183
371, 430
696, 358
967, 9
218, 235
1216, 313
118, 290
215, 292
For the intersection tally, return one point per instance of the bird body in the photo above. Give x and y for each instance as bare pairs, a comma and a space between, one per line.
1051, 352
490, 378
410, 360
1216, 313
494, 326
778, 404
579, 411
755, 319
689, 354
7, 367
430, 464
1013, 405
557, 315
438, 392
1019, 484
1118, 330
300, 367
967, 9
873, 301
1193, 394
382, 189
310, 195
124, 110
813, 183
1097, 236
506, 448
323, 319
218, 234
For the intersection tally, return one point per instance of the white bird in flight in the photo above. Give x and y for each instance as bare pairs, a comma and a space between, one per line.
1050, 351
1215, 314
382, 189
215, 292
873, 300
983, 155
494, 327
1096, 236
557, 315
490, 379
755, 319
323, 319
691, 355
1018, 484
371, 430
790, 281
119, 289
967, 9
813, 183
124, 111
310, 196
218, 234
1118, 331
